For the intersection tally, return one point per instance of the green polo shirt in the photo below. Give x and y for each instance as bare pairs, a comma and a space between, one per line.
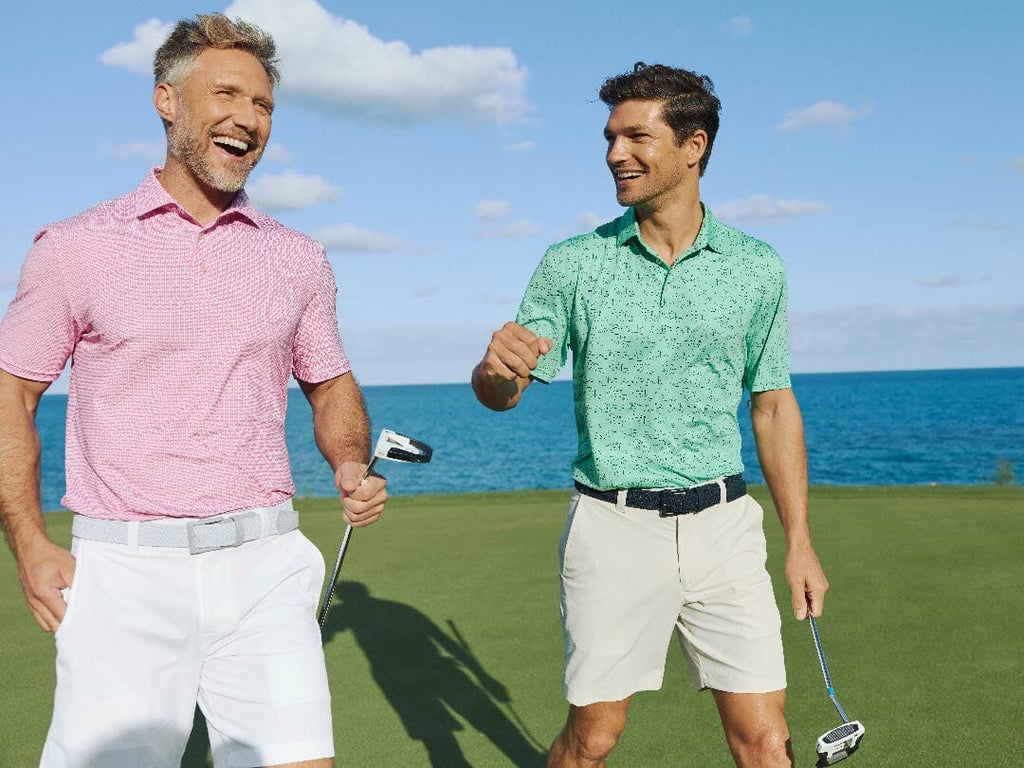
660, 355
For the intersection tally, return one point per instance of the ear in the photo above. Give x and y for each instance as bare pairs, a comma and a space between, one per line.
696, 145
165, 99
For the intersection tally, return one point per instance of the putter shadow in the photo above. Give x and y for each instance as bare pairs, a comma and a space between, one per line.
426, 674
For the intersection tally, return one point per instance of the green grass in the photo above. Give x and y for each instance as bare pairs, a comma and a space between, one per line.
924, 631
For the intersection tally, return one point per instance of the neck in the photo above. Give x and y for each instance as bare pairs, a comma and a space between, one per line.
670, 223
202, 201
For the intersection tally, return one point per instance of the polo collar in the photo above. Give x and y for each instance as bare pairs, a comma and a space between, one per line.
709, 236
151, 197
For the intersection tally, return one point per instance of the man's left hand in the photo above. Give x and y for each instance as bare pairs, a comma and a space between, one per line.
361, 502
807, 581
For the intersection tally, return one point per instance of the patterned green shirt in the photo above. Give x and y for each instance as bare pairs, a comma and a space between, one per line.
660, 355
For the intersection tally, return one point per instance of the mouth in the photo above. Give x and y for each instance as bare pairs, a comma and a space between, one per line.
624, 176
233, 146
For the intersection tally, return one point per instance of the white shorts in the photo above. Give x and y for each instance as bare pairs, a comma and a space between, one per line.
151, 631
629, 577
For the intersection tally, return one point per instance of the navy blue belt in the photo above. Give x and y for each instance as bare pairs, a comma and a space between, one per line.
674, 501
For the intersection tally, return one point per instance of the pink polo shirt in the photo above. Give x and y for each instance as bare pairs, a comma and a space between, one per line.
182, 340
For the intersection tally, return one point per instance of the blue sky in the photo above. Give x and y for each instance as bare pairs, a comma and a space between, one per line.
438, 148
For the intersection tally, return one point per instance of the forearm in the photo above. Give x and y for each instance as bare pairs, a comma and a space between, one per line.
20, 509
779, 435
496, 393
341, 426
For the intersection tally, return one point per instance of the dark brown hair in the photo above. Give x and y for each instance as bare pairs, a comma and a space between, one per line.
689, 100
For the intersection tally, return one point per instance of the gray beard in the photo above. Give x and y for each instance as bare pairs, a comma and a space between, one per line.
185, 144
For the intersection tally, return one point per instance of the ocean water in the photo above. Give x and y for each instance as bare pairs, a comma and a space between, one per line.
883, 428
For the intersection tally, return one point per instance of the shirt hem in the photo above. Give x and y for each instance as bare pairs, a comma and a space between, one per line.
25, 373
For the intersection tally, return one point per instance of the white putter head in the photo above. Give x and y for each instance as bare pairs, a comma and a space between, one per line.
839, 743
395, 447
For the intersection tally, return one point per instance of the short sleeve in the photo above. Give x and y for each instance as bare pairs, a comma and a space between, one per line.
317, 351
767, 365
547, 305
39, 330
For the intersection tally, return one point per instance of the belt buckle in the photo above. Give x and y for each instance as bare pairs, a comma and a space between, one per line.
192, 525
673, 493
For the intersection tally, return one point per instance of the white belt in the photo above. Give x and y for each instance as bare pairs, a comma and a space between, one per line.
197, 535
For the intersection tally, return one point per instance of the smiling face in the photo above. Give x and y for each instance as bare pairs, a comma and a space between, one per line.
646, 160
219, 118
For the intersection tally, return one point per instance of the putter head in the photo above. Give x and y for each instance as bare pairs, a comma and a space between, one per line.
395, 447
839, 743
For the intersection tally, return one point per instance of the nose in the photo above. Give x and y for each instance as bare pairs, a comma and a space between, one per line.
246, 115
616, 151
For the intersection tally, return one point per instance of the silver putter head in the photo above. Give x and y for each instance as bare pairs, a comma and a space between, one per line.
839, 743
395, 447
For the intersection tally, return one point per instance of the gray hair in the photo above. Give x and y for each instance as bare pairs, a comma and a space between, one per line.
176, 58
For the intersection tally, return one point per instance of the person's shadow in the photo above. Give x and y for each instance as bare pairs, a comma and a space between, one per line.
426, 674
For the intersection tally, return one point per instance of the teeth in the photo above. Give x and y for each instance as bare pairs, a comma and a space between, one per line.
228, 141
627, 175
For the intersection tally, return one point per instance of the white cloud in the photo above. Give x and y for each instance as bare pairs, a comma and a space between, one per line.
1018, 164
277, 153
349, 237
823, 114
137, 56
588, 221
518, 230
336, 65
490, 209
290, 191
989, 225
521, 146
739, 26
882, 337
149, 151
950, 281
768, 210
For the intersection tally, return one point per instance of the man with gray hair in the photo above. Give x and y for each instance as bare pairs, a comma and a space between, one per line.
186, 311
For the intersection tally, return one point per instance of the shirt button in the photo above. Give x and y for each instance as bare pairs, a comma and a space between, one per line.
202, 267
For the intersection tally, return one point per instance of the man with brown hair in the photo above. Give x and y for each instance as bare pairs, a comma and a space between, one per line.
186, 311
670, 315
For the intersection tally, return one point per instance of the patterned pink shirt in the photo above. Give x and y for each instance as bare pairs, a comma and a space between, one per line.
182, 340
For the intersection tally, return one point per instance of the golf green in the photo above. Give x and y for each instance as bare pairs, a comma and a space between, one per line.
444, 644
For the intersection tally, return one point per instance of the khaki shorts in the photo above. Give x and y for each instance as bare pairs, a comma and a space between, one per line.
629, 577
149, 631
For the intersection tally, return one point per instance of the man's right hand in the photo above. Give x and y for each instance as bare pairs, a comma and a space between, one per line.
513, 353
500, 378
45, 569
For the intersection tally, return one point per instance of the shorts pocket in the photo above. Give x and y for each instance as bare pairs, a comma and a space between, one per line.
72, 594
565, 543
315, 568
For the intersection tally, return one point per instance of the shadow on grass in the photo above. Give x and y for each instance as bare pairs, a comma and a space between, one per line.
426, 674
197, 751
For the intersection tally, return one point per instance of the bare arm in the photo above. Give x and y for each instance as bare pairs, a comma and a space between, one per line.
504, 373
342, 431
779, 434
43, 567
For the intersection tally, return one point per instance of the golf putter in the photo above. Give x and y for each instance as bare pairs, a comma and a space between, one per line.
392, 447
843, 740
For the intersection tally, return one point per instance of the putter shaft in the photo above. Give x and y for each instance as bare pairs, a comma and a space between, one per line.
824, 668
325, 605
